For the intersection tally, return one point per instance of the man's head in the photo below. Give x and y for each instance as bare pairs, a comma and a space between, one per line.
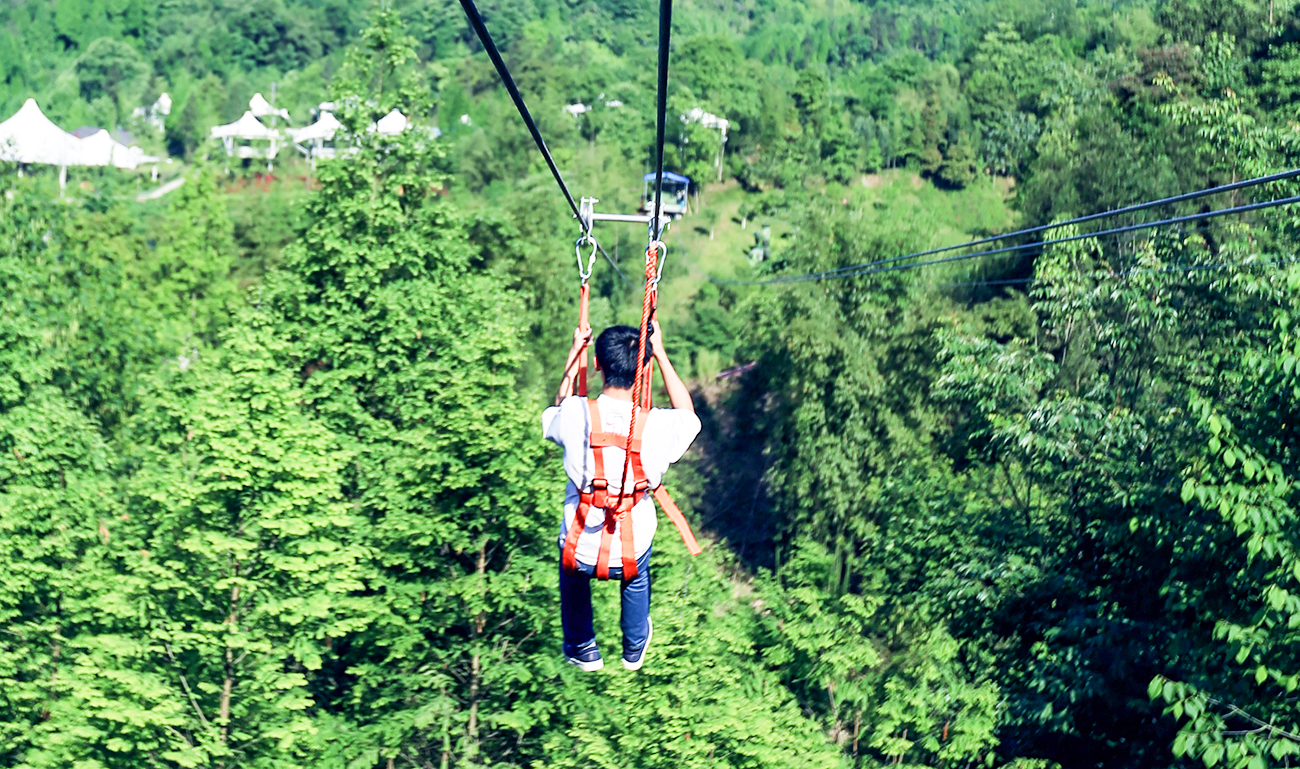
616, 355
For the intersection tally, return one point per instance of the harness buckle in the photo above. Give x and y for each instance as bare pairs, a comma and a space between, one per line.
599, 492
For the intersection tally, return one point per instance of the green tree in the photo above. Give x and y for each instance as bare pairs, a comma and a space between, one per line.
111, 69
959, 168
234, 566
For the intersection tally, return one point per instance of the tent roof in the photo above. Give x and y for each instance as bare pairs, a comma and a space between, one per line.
101, 149
669, 176
392, 124
324, 128
260, 107
246, 127
130, 157
96, 149
30, 137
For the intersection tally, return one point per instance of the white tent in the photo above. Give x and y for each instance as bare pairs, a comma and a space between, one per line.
30, 137
260, 107
709, 120
98, 149
155, 115
391, 124
322, 130
101, 149
311, 139
134, 156
247, 128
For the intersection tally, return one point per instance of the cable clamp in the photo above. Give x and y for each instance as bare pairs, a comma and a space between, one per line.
587, 213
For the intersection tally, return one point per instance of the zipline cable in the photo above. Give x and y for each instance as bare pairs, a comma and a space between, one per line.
1262, 221
1102, 275
1180, 198
873, 268
480, 29
613, 264
476, 21
641, 385
665, 30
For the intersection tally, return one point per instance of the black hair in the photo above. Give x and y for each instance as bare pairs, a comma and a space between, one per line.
616, 354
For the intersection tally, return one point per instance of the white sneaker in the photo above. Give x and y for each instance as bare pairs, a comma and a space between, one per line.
588, 661
635, 664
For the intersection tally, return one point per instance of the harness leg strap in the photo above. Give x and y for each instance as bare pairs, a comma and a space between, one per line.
674, 514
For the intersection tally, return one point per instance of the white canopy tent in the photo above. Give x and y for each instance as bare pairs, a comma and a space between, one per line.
260, 107
30, 137
310, 140
247, 129
391, 124
100, 149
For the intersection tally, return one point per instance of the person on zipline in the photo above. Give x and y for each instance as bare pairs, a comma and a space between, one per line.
666, 435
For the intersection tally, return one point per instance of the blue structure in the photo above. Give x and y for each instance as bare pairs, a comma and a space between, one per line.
674, 199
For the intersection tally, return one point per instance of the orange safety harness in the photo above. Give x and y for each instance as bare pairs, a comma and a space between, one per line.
617, 509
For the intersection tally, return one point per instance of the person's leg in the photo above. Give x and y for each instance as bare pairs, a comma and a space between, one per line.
575, 613
636, 608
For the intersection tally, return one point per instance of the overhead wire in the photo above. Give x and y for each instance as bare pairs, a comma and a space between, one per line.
1173, 199
480, 29
1107, 275
661, 109
889, 265
1263, 219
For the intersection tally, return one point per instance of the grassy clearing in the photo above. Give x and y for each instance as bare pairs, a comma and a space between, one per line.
953, 216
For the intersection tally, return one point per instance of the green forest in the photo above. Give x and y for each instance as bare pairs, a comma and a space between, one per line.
273, 491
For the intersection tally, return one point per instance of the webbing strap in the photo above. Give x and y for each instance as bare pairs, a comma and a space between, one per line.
584, 325
570, 556
671, 510
616, 440
674, 514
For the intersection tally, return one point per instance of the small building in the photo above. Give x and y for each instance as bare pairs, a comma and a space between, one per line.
673, 199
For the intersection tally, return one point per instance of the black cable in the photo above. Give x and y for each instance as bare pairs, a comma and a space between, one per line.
615, 266
871, 268
665, 31
1100, 275
476, 21
1183, 197
1114, 239
1180, 198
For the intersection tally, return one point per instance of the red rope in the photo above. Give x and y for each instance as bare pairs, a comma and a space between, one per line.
651, 258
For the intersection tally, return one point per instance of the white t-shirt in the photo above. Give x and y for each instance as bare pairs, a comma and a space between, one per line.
667, 435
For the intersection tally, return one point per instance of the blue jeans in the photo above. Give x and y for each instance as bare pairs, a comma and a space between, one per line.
575, 607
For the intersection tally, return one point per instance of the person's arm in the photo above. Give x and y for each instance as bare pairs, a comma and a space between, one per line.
678, 395
580, 339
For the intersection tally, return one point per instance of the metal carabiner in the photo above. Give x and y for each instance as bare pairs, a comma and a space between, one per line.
661, 251
591, 258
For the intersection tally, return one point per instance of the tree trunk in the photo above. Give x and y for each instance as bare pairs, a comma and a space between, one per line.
476, 662
228, 684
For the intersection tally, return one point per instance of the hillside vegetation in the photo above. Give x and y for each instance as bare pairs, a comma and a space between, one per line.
272, 492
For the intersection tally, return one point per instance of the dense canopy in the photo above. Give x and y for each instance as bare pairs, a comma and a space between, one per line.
272, 492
